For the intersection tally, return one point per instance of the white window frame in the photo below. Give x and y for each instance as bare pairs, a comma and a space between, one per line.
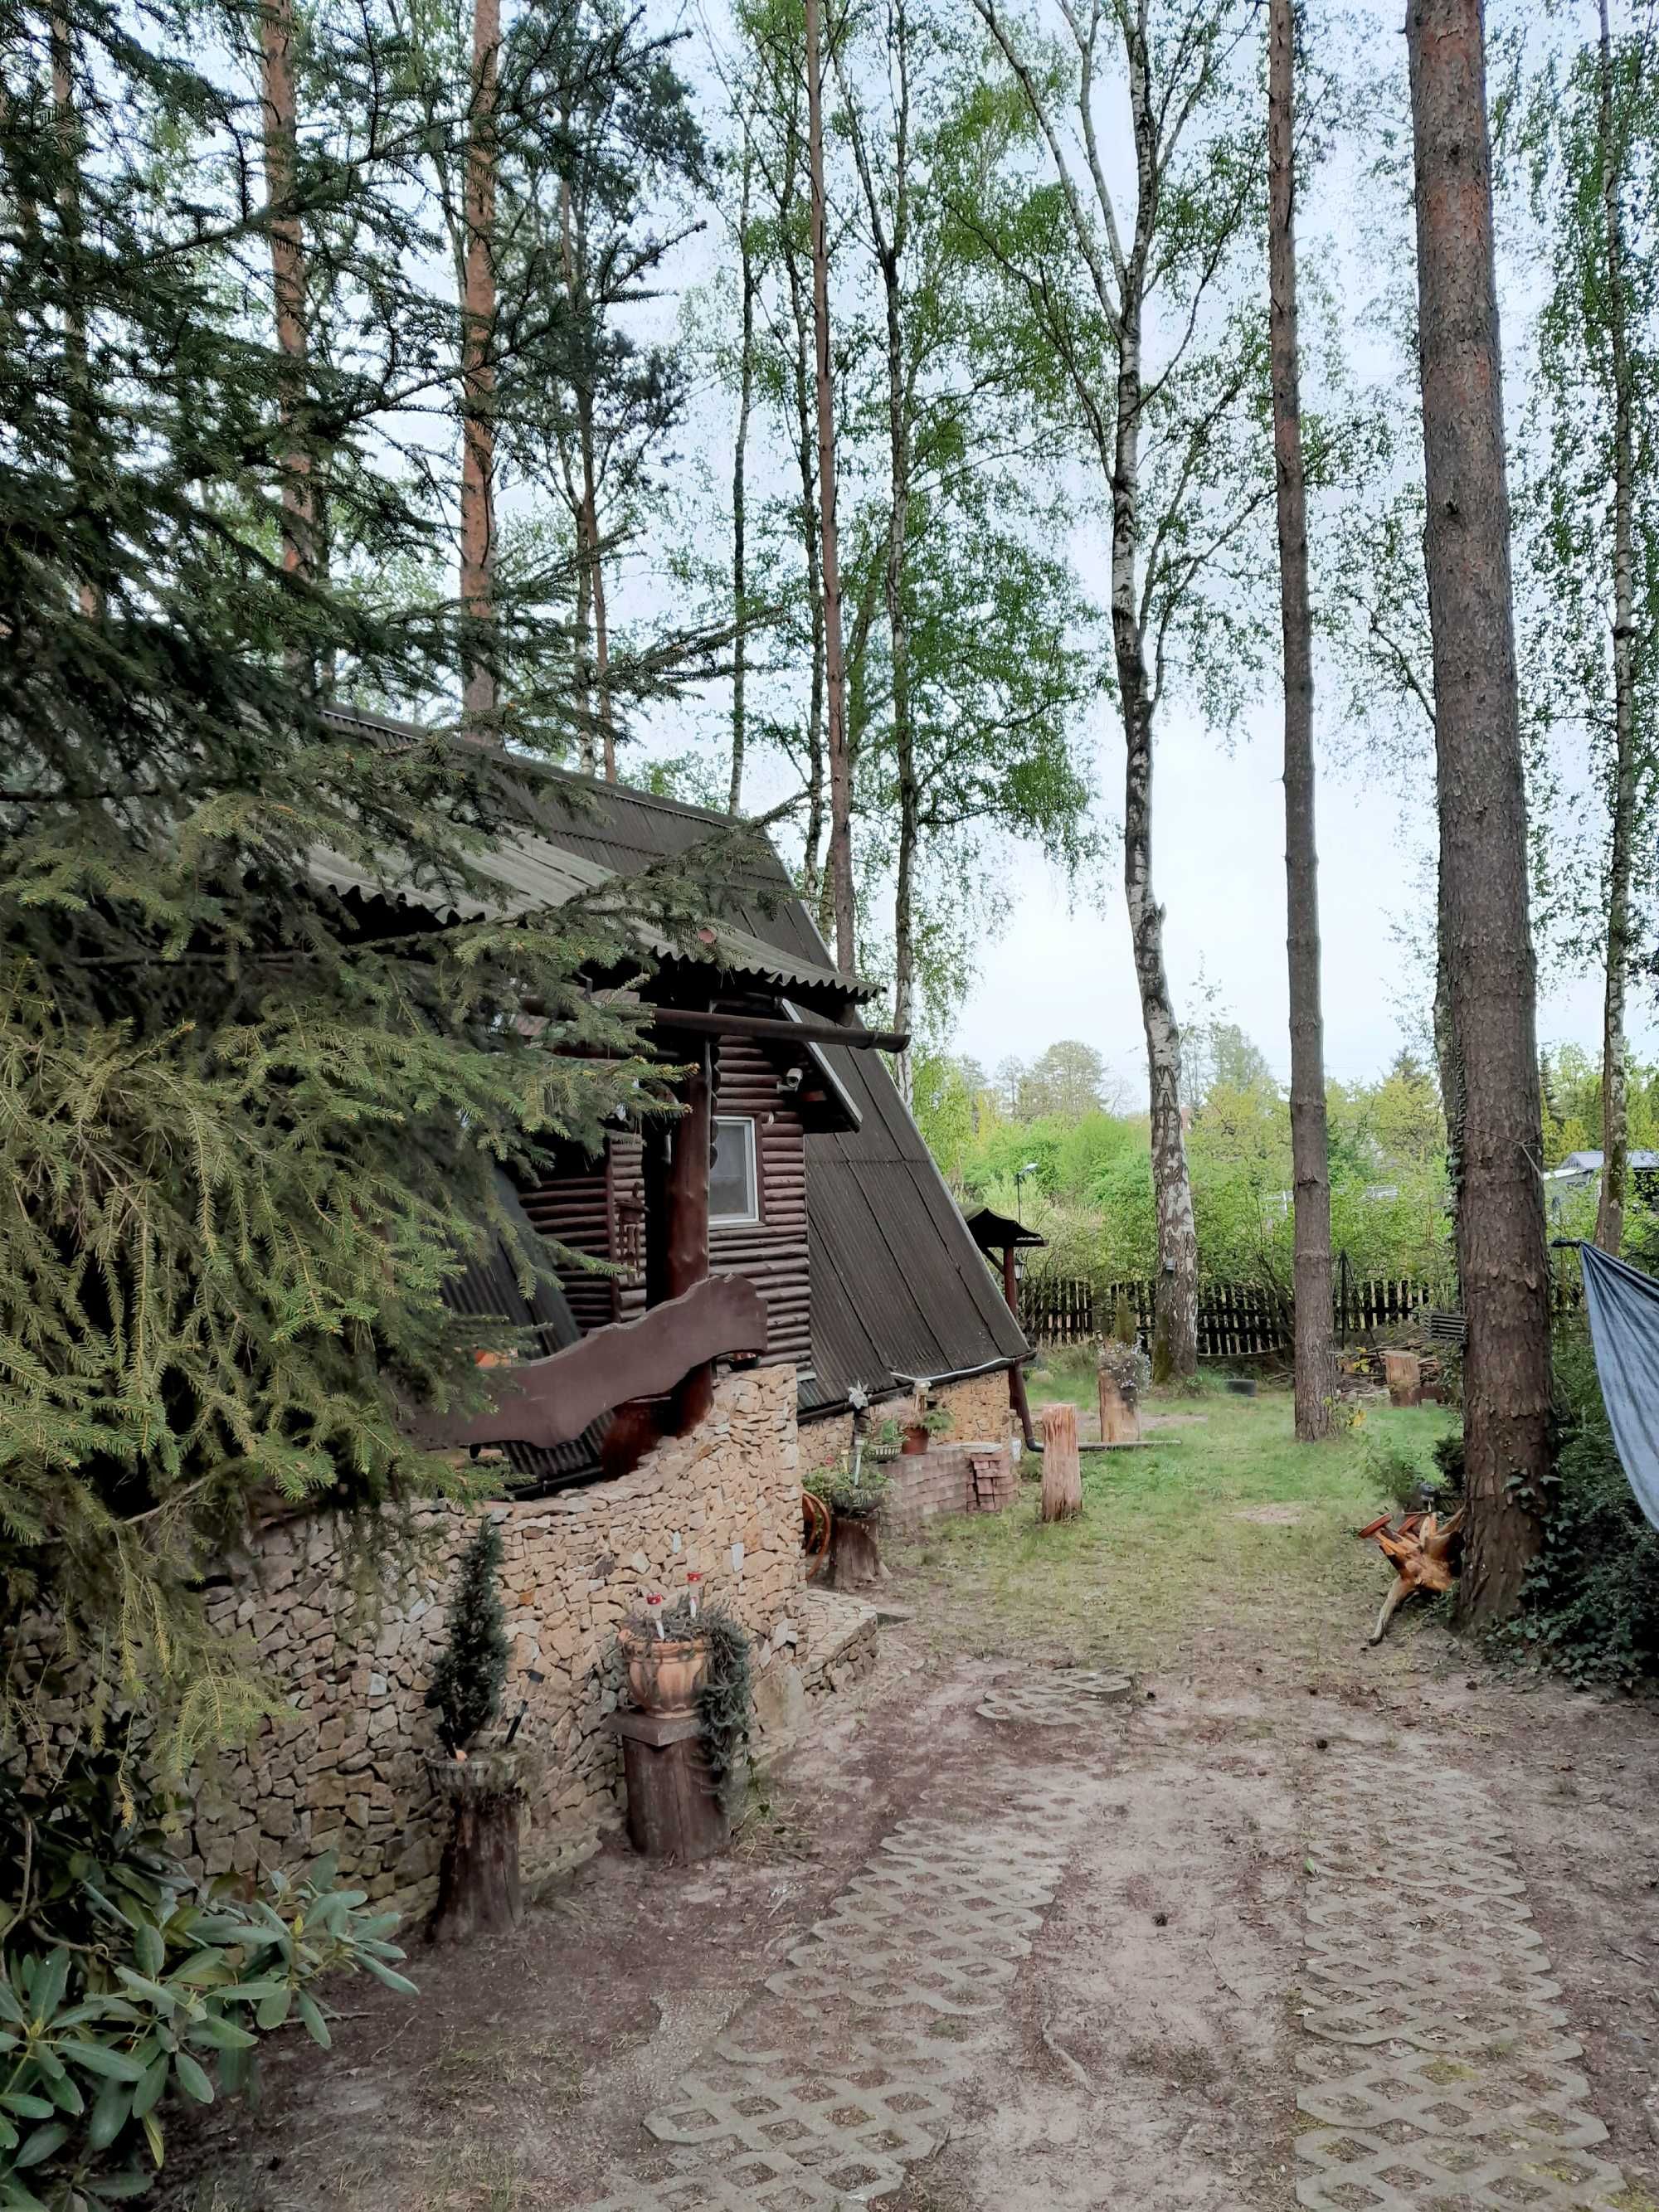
746, 1122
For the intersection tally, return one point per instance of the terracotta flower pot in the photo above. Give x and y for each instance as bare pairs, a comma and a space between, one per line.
663, 1673
916, 1440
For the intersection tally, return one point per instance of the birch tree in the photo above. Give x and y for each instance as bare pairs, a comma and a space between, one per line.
1595, 512
1130, 283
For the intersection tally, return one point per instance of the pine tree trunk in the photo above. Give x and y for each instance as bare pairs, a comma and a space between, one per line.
812, 882
1615, 1121
1483, 826
76, 359
478, 372
287, 271
1315, 1347
739, 503
839, 754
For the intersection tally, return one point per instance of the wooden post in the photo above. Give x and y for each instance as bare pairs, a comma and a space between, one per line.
1017, 1397
1062, 1464
686, 1243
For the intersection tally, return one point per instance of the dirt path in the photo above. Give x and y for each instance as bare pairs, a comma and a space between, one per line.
968, 1963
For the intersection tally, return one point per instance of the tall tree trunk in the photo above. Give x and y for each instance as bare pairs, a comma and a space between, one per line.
1315, 1347
890, 245
840, 757
574, 249
478, 372
1615, 1119
1482, 804
739, 491
813, 878
1175, 1328
75, 357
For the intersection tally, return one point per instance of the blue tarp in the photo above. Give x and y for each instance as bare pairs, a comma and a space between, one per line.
1624, 1319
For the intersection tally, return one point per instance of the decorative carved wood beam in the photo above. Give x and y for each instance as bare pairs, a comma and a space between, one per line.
551, 1401
698, 1024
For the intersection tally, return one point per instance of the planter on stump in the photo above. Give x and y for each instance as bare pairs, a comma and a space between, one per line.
663, 1673
478, 1886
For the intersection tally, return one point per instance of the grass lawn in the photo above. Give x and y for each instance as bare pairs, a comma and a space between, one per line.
1223, 1528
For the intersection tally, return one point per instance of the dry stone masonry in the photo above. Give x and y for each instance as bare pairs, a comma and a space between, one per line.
344, 1769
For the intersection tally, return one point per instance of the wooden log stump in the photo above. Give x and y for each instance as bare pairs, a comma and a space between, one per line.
478, 1886
674, 1811
1403, 1371
1062, 1464
854, 1559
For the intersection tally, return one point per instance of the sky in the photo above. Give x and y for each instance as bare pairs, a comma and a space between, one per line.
1063, 967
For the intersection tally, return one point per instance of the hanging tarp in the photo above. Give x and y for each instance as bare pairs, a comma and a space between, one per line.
1624, 1320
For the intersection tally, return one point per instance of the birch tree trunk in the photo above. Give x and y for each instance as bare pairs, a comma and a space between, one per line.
1483, 826
1174, 1328
1315, 1348
478, 370
839, 755
1615, 1119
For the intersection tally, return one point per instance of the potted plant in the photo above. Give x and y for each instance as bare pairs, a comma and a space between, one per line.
1124, 1373
854, 1502
926, 1423
692, 1654
884, 1442
666, 1652
478, 1886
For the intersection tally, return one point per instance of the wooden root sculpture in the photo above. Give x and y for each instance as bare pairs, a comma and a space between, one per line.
815, 1532
1422, 1556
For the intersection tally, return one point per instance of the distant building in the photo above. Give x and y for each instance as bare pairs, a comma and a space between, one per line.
1582, 1171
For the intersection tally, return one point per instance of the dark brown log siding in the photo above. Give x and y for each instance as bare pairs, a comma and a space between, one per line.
581, 1209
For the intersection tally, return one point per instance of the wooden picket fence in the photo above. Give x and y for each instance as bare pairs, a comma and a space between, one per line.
1238, 1321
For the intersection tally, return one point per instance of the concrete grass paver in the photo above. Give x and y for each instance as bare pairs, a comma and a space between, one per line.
1437, 2070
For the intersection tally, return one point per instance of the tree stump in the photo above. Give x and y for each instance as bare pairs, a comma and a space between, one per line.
854, 1561
1120, 1417
1062, 1464
478, 1888
1403, 1371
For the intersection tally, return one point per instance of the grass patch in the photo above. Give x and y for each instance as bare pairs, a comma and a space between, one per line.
1172, 1550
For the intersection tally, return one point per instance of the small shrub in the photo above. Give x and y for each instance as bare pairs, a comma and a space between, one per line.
125, 1983
1127, 1365
854, 1501
1591, 1603
466, 1682
1400, 1479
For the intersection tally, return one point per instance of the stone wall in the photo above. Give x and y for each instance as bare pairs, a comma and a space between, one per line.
345, 1771
979, 1410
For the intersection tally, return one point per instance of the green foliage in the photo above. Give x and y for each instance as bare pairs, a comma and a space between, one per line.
1591, 1604
855, 1501
1400, 1477
249, 1126
725, 1697
125, 1983
465, 1689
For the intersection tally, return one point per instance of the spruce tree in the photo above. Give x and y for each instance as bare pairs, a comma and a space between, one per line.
247, 1124
466, 1682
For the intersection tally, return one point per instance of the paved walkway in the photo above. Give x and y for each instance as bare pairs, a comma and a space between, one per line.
1438, 2072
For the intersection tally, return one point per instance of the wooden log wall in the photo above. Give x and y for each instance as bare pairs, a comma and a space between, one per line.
596, 1207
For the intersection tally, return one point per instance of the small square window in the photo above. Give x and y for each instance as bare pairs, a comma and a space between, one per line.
733, 1188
